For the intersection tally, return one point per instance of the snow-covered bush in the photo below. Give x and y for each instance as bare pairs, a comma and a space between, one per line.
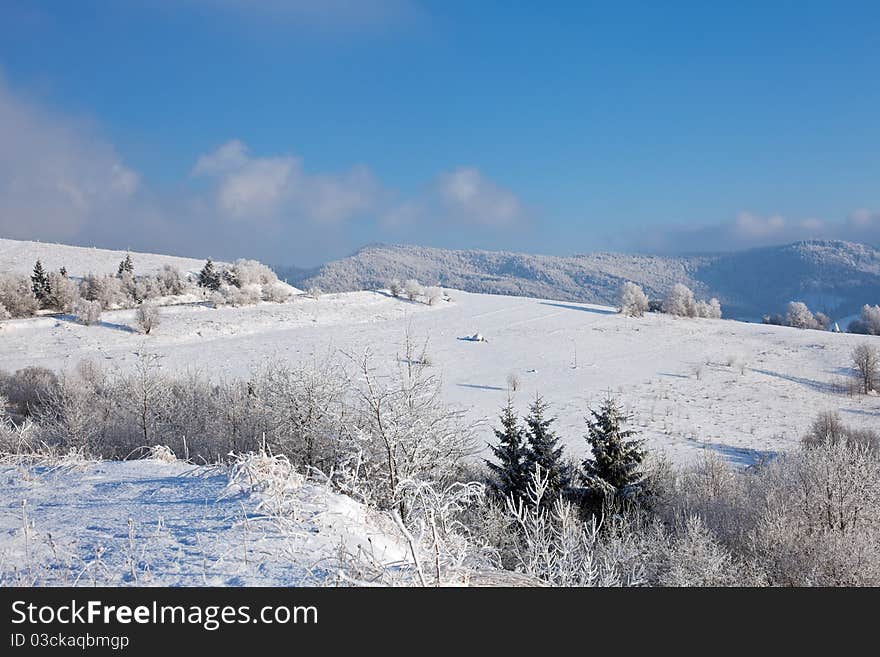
709, 309
276, 292
231, 295
147, 316
680, 301
413, 289
17, 295
395, 287
314, 292
88, 312
104, 289
632, 300
433, 294
4, 314
251, 272
62, 293
170, 281
868, 322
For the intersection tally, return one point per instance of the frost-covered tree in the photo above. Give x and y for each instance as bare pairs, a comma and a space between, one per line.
413, 289
88, 312
395, 287
615, 469
17, 295
866, 363
508, 473
632, 300
209, 278
710, 309
147, 316
798, 315
105, 289
868, 322
40, 282
126, 266
63, 293
680, 301
545, 452
433, 294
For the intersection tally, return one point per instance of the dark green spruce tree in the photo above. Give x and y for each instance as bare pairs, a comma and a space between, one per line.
126, 266
208, 277
40, 282
545, 451
615, 470
508, 471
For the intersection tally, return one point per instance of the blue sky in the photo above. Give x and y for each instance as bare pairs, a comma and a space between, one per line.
297, 130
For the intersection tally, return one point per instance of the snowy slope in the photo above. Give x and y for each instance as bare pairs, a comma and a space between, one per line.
741, 390
19, 256
153, 523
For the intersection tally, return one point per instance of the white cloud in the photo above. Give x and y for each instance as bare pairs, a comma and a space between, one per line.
56, 175
277, 188
466, 194
60, 180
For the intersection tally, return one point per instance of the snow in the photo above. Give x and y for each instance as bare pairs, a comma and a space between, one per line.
740, 390
154, 523
19, 256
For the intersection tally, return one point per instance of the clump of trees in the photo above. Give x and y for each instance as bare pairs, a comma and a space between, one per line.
868, 323
243, 283
798, 315
680, 301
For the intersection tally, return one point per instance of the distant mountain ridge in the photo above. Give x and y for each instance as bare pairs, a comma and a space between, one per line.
832, 276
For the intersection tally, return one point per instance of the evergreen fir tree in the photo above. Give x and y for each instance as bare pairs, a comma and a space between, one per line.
615, 469
510, 476
208, 277
125, 266
40, 282
63, 271
544, 450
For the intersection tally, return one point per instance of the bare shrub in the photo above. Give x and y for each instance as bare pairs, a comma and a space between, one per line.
28, 389
513, 382
866, 363
828, 428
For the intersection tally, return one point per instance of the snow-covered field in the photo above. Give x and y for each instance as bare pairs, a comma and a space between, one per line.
692, 384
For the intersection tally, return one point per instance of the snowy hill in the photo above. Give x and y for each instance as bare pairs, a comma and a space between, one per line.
19, 256
834, 277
